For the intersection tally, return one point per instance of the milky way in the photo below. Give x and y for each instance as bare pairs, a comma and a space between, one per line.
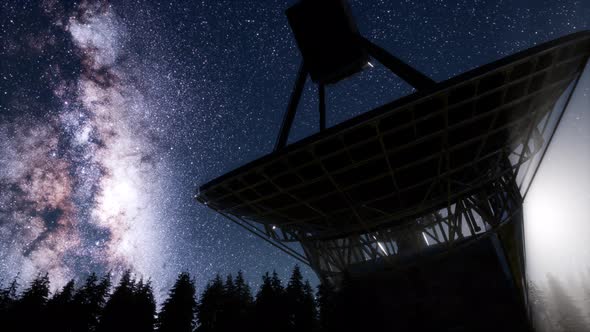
78, 185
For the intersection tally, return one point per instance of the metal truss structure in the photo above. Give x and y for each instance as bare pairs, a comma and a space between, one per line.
465, 219
424, 173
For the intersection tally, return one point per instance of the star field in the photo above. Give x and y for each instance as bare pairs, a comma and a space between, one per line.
112, 113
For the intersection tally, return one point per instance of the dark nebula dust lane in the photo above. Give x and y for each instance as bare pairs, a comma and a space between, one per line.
77, 168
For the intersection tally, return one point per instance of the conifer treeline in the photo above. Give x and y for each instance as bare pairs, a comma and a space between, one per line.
226, 304
559, 306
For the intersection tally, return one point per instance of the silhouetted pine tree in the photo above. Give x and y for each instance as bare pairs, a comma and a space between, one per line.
229, 307
586, 288
244, 302
8, 298
565, 313
243, 289
229, 286
325, 300
294, 294
538, 304
300, 303
310, 308
585, 293
143, 307
29, 308
178, 311
271, 312
88, 303
131, 307
236, 305
117, 314
8, 295
59, 309
210, 306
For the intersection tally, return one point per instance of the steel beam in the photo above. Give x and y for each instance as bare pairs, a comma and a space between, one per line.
292, 108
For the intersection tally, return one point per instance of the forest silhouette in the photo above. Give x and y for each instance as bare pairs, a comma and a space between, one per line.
225, 304
228, 304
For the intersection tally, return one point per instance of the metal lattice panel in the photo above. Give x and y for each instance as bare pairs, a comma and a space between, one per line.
434, 232
386, 168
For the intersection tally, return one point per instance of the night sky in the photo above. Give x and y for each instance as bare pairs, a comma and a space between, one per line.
112, 113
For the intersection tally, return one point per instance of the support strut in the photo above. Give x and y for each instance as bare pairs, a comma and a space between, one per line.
292, 108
